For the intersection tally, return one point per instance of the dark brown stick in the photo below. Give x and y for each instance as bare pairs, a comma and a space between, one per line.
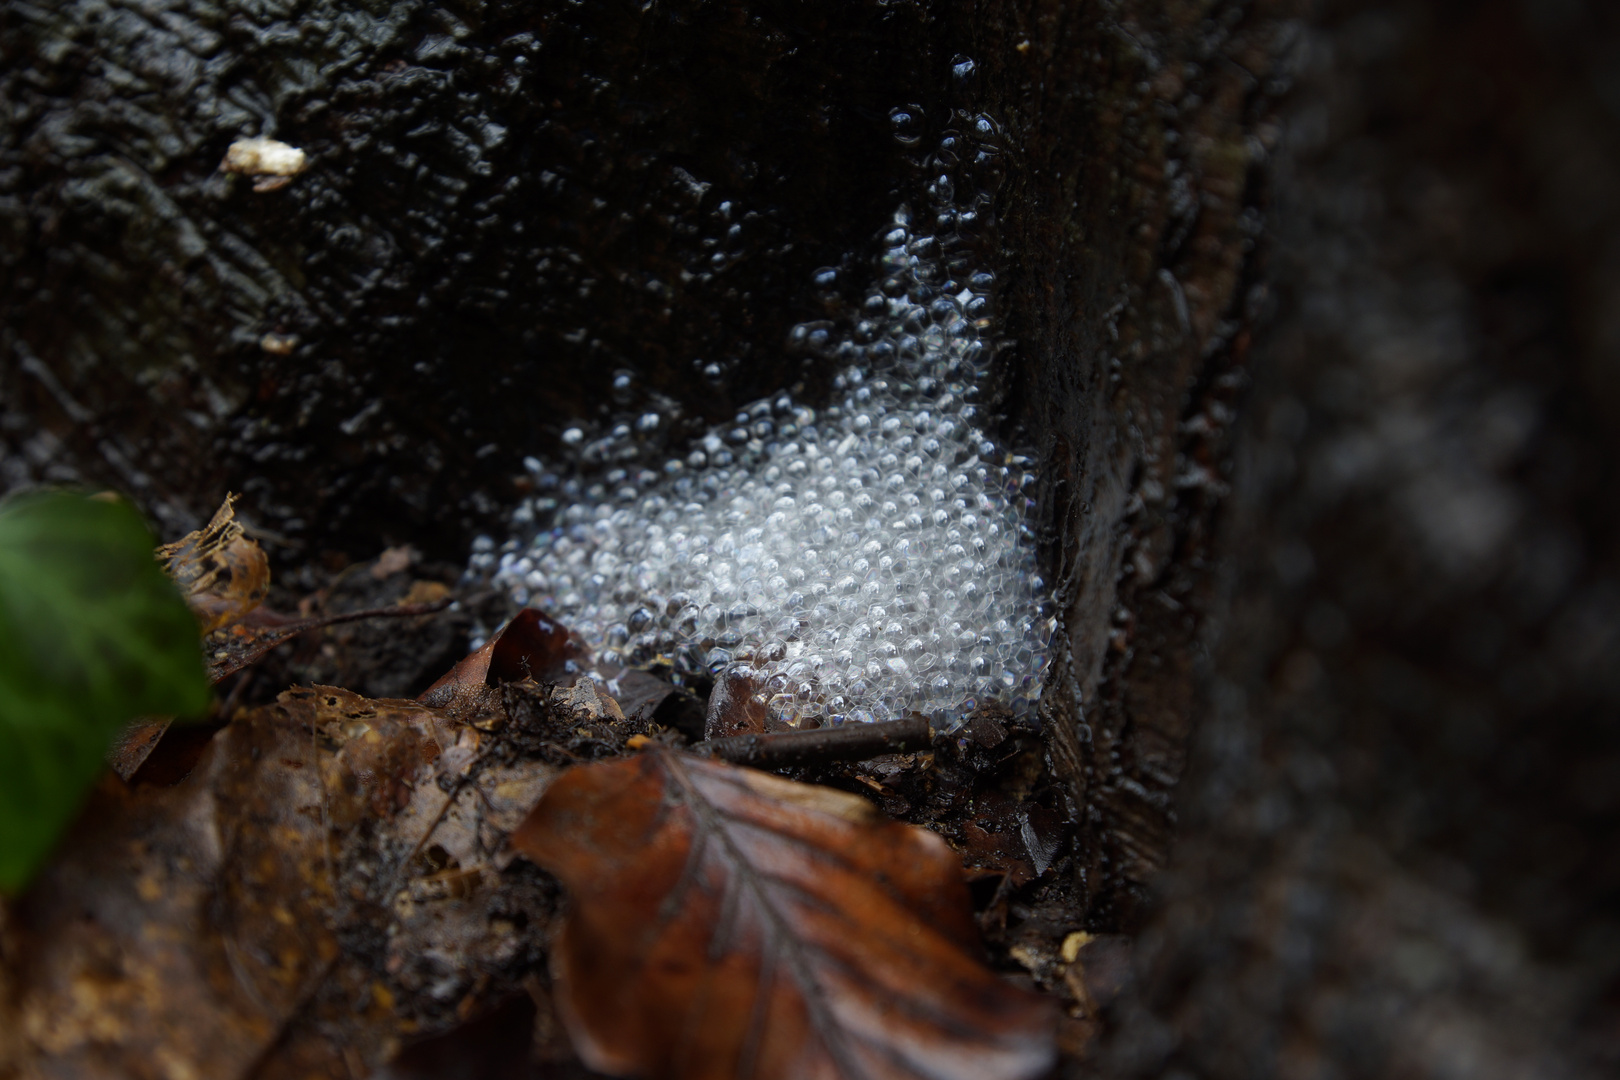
850, 742
254, 650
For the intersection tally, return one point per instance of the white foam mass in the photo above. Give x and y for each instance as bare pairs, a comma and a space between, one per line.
863, 560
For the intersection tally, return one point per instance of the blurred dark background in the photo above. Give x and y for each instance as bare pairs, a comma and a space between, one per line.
1312, 313
1399, 851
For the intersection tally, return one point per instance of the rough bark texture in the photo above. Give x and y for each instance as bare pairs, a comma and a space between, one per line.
507, 204
1397, 845
1131, 228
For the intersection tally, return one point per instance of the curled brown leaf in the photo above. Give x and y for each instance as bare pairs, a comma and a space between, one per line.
727, 923
221, 572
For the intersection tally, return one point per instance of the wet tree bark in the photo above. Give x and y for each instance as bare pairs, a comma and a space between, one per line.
1386, 624
1134, 228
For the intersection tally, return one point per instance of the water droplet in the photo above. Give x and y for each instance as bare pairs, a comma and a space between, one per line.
905, 124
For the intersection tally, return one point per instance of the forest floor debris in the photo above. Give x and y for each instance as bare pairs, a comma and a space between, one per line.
323, 885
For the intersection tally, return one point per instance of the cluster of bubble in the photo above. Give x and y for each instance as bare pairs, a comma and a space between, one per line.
862, 560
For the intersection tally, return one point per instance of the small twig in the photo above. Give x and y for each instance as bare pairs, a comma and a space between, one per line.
259, 646
228, 706
849, 742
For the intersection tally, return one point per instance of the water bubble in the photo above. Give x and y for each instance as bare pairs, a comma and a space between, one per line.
906, 126
825, 283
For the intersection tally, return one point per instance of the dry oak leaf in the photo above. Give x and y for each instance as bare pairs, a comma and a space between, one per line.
724, 922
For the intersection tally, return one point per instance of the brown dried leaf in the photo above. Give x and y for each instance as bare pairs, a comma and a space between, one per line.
322, 886
986, 853
728, 923
223, 574
735, 707
532, 645
135, 745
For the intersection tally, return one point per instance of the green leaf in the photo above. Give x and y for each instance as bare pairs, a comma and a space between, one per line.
92, 635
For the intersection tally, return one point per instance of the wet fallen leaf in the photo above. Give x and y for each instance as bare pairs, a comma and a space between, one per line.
532, 645
991, 854
1019, 841
641, 694
727, 923
237, 647
736, 707
135, 745
221, 572
321, 888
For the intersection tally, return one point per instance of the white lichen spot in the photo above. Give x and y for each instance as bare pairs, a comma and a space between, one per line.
279, 344
274, 163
